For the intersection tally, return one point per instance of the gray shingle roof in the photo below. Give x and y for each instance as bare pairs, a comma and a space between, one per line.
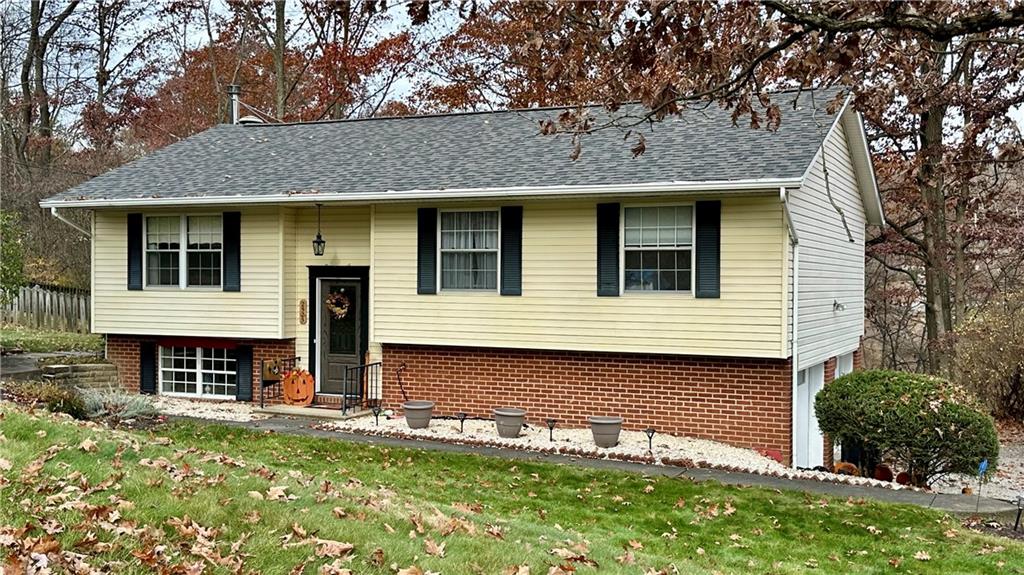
461, 151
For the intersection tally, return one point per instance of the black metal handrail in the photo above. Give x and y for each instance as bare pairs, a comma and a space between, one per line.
272, 373
362, 386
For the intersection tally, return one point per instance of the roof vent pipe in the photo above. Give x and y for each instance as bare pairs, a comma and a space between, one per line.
234, 91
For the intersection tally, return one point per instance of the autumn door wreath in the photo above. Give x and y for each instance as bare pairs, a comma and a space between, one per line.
338, 304
298, 387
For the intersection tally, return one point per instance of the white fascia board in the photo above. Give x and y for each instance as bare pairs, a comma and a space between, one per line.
719, 186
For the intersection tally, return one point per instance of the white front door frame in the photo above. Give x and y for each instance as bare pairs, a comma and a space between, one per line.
319, 330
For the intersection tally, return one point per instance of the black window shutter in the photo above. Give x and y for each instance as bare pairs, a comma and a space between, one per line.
134, 251
708, 246
512, 250
147, 367
232, 222
243, 362
607, 249
426, 251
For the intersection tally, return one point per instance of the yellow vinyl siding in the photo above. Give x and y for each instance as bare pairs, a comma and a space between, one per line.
253, 312
559, 308
346, 229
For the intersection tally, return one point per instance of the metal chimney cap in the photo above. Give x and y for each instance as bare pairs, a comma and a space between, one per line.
234, 89
250, 120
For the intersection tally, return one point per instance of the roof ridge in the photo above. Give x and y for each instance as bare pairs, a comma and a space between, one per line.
798, 90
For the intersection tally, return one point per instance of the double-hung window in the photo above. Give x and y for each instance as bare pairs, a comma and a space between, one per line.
658, 248
198, 371
469, 250
195, 240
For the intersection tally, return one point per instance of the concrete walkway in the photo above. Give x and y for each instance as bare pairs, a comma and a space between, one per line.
958, 504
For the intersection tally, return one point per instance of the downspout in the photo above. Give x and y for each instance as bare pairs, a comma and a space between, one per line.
794, 242
56, 214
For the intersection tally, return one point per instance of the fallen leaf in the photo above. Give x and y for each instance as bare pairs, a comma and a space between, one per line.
256, 495
633, 543
432, 548
649, 489
88, 445
4, 464
922, 556
329, 548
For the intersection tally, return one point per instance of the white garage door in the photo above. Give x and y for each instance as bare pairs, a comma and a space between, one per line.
810, 446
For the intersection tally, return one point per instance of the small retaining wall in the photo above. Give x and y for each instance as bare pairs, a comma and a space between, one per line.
86, 375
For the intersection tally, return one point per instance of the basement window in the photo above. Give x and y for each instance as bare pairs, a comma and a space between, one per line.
209, 373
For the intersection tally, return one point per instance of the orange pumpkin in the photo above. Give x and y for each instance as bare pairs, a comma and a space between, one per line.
298, 387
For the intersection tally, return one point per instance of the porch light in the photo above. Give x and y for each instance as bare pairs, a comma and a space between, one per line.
318, 243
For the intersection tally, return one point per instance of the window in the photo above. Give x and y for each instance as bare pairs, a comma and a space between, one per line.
198, 371
202, 250
469, 250
658, 246
163, 250
844, 365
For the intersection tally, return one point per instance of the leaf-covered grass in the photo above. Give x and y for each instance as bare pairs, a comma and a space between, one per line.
398, 507
34, 340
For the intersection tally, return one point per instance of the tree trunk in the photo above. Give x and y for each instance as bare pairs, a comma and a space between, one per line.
932, 193
280, 82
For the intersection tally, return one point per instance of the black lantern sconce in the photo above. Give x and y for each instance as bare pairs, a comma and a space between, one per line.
318, 243
551, 428
376, 409
462, 420
650, 431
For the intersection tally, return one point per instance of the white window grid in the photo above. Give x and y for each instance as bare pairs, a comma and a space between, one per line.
209, 373
204, 250
657, 228
468, 237
163, 240
184, 235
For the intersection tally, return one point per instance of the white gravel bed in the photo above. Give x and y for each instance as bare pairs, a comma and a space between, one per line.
1007, 483
667, 449
220, 410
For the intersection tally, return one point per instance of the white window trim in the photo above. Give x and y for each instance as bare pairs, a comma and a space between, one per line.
199, 378
438, 271
693, 250
183, 252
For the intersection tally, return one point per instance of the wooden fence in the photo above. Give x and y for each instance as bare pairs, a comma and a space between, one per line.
49, 307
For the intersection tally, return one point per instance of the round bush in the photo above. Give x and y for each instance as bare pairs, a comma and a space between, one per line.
927, 425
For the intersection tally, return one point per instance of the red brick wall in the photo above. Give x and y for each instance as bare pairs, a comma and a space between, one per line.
744, 402
123, 351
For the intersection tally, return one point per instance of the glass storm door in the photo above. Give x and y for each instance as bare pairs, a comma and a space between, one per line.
340, 333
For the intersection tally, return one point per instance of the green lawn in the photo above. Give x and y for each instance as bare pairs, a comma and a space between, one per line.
134, 502
35, 340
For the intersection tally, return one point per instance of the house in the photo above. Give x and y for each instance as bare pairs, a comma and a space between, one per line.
708, 287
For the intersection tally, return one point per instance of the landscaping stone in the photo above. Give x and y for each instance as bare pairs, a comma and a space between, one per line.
216, 410
669, 450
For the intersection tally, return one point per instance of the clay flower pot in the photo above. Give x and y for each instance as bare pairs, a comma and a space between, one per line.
606, 430
509, 421
417, 413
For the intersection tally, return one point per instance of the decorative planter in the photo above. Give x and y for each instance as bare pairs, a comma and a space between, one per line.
417, 413
509, 421
606, 430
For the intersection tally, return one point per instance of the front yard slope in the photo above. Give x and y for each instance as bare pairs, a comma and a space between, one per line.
210, 499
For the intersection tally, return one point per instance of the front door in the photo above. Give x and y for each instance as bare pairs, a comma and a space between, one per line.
340, 338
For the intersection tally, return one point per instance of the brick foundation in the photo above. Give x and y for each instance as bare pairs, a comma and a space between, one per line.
123, 351
742, 401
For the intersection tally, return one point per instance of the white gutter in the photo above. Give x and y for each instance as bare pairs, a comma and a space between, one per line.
794, 241
710, 186
56, 214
